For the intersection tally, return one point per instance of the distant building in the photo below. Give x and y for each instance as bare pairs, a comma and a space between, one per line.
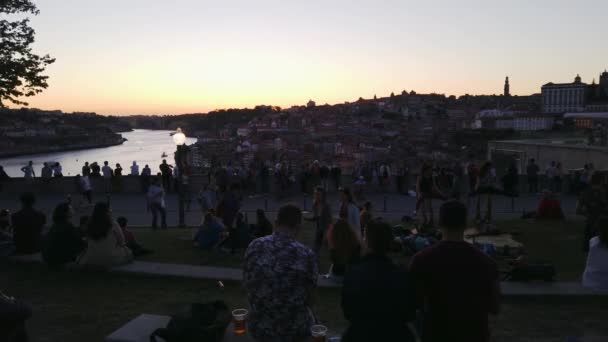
311, 104
507, 91
559, 98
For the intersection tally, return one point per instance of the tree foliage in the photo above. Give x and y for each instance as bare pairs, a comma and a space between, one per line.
20, 68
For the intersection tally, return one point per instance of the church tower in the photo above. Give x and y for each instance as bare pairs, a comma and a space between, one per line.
507, 91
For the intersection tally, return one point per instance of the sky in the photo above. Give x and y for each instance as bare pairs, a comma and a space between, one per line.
184, 56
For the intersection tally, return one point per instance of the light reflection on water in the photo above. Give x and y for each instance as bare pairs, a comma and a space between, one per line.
143, 146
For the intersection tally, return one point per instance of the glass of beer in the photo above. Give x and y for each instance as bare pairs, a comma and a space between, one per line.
318, 333
240, 324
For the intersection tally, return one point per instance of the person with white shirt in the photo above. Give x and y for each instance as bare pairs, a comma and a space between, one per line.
134, 169
84, 184
596, 272
28, 170
350, 212
106, 170
156, 203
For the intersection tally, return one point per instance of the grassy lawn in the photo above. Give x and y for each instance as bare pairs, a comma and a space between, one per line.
557, 242
80, 306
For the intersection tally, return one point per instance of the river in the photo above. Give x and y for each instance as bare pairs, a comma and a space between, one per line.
143, 146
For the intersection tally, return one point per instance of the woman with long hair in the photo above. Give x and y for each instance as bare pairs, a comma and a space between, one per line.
344, 248
350, 212
321, 216
596, 271
105, 241
64, 242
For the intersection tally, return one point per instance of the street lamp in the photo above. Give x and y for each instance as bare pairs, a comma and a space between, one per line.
181, 161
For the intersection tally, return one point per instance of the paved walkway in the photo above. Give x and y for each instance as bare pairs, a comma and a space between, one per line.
389, 206
234, 274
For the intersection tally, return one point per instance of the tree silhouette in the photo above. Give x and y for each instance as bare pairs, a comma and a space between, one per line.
20, 69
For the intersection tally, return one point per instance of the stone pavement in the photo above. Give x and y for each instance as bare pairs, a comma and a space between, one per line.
390, 206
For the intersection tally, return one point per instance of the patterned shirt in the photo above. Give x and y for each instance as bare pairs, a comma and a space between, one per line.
279, 275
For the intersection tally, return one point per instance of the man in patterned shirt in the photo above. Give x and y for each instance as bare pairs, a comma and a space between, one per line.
280, 275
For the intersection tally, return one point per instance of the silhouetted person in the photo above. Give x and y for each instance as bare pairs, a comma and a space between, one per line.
46, 172
166, 170
28, 170
64, 242
145, 178
156, 203
457, 284
95, 170
57, 170
86, 169
377, 296
27, 226
532, 171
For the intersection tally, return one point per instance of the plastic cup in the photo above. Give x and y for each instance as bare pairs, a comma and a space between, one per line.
318, 333
240, 323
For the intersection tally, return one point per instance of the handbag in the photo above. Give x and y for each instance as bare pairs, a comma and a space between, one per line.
205, 322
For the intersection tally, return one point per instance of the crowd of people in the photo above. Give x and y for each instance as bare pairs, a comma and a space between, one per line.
437, 299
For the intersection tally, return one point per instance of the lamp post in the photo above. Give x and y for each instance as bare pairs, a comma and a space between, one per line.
181, 161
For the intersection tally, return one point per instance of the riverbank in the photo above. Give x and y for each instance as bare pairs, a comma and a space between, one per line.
44, 149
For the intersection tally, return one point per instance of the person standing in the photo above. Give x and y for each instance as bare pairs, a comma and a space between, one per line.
27, 226
86, 170
84, 184
280, 276
336, 175
95, 170
46, 172
457, 285
118, 178
156, 204
28, 170
134, 169
57, 170
146, 173
321, 217
166, 170
107, 176
378, 298
532, 171
350, 212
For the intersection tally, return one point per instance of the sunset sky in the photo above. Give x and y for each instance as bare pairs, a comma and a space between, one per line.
170, 57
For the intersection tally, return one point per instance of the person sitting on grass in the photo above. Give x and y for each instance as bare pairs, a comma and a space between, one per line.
105, 241
130, 241
457, 284
596, 271
211, 233
344, 249
27, 226
64, 242
280, 276
263, 226
378, 297
549, 207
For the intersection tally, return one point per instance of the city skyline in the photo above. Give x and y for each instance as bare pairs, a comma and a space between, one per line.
153, 57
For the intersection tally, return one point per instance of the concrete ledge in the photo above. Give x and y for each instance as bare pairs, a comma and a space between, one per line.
235, 274
139, 329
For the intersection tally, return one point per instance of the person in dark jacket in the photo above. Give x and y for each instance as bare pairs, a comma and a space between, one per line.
27, 226
64, 242
378, 298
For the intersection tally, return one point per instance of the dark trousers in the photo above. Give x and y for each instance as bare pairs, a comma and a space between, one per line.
319, 237
533, 184
156, 209
167, 182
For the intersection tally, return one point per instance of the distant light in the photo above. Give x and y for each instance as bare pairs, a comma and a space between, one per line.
179, 138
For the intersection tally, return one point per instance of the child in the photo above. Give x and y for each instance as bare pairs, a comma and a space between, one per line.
130, 241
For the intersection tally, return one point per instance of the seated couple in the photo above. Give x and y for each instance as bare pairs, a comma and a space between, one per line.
100, 241
453, 284
214, 235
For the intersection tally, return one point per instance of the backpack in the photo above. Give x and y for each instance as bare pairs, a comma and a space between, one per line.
200, 323
539, 271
